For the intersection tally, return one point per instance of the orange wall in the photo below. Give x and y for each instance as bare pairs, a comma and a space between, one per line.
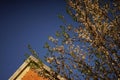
32, 75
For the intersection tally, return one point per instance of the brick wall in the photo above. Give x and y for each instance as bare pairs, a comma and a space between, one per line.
32, 75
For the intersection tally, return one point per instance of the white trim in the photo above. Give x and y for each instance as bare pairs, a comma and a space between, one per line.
23, 73
20, 70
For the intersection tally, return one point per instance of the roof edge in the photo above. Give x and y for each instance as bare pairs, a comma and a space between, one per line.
26, 63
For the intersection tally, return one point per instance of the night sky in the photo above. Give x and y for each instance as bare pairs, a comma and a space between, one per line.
24, 22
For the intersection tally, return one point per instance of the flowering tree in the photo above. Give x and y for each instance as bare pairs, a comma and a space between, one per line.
92, 49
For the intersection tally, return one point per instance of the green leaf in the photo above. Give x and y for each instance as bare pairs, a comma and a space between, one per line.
66, 35
60, 16
46, 45
62, 27
72, 54
26, 55
98, 55
74, 18
57, 34
33, 52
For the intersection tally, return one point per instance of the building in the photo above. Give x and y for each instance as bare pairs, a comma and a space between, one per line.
34, 69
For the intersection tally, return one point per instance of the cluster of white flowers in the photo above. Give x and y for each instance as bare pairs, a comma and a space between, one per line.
53, 39
83, 56
58, 62
77, 49
71, 47
59, 49
69, 27
82, 33
69, 41
50, 59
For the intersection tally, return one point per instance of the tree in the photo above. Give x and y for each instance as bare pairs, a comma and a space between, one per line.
92, 49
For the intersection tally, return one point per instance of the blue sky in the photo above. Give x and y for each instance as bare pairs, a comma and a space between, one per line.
24, 22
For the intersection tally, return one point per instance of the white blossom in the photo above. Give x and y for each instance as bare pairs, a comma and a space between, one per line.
60, 49
50, 59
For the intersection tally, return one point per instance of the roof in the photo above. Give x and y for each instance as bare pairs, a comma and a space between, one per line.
25, 68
